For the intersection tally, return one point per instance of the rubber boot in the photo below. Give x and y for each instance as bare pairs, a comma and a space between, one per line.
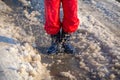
53, 49
68, 48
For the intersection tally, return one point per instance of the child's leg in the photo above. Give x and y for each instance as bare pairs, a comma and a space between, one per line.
70, 19
52, 10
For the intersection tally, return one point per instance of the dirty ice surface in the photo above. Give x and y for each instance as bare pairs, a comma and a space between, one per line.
23, 43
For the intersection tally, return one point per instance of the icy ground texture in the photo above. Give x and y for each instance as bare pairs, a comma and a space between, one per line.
97, 43
18, 59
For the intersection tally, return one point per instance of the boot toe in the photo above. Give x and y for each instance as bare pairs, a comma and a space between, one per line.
52, 50
69, 49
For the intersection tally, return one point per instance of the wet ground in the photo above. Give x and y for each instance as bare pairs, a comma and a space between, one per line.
96, 42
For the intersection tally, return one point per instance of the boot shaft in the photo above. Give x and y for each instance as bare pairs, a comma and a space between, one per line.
65, 37
55, 38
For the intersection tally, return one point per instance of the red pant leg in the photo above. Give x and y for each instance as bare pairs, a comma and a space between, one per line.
70, 19
52, 12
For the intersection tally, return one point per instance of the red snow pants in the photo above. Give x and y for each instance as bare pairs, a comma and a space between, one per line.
52, 16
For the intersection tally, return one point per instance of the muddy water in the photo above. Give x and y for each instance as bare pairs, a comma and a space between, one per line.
63, 63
